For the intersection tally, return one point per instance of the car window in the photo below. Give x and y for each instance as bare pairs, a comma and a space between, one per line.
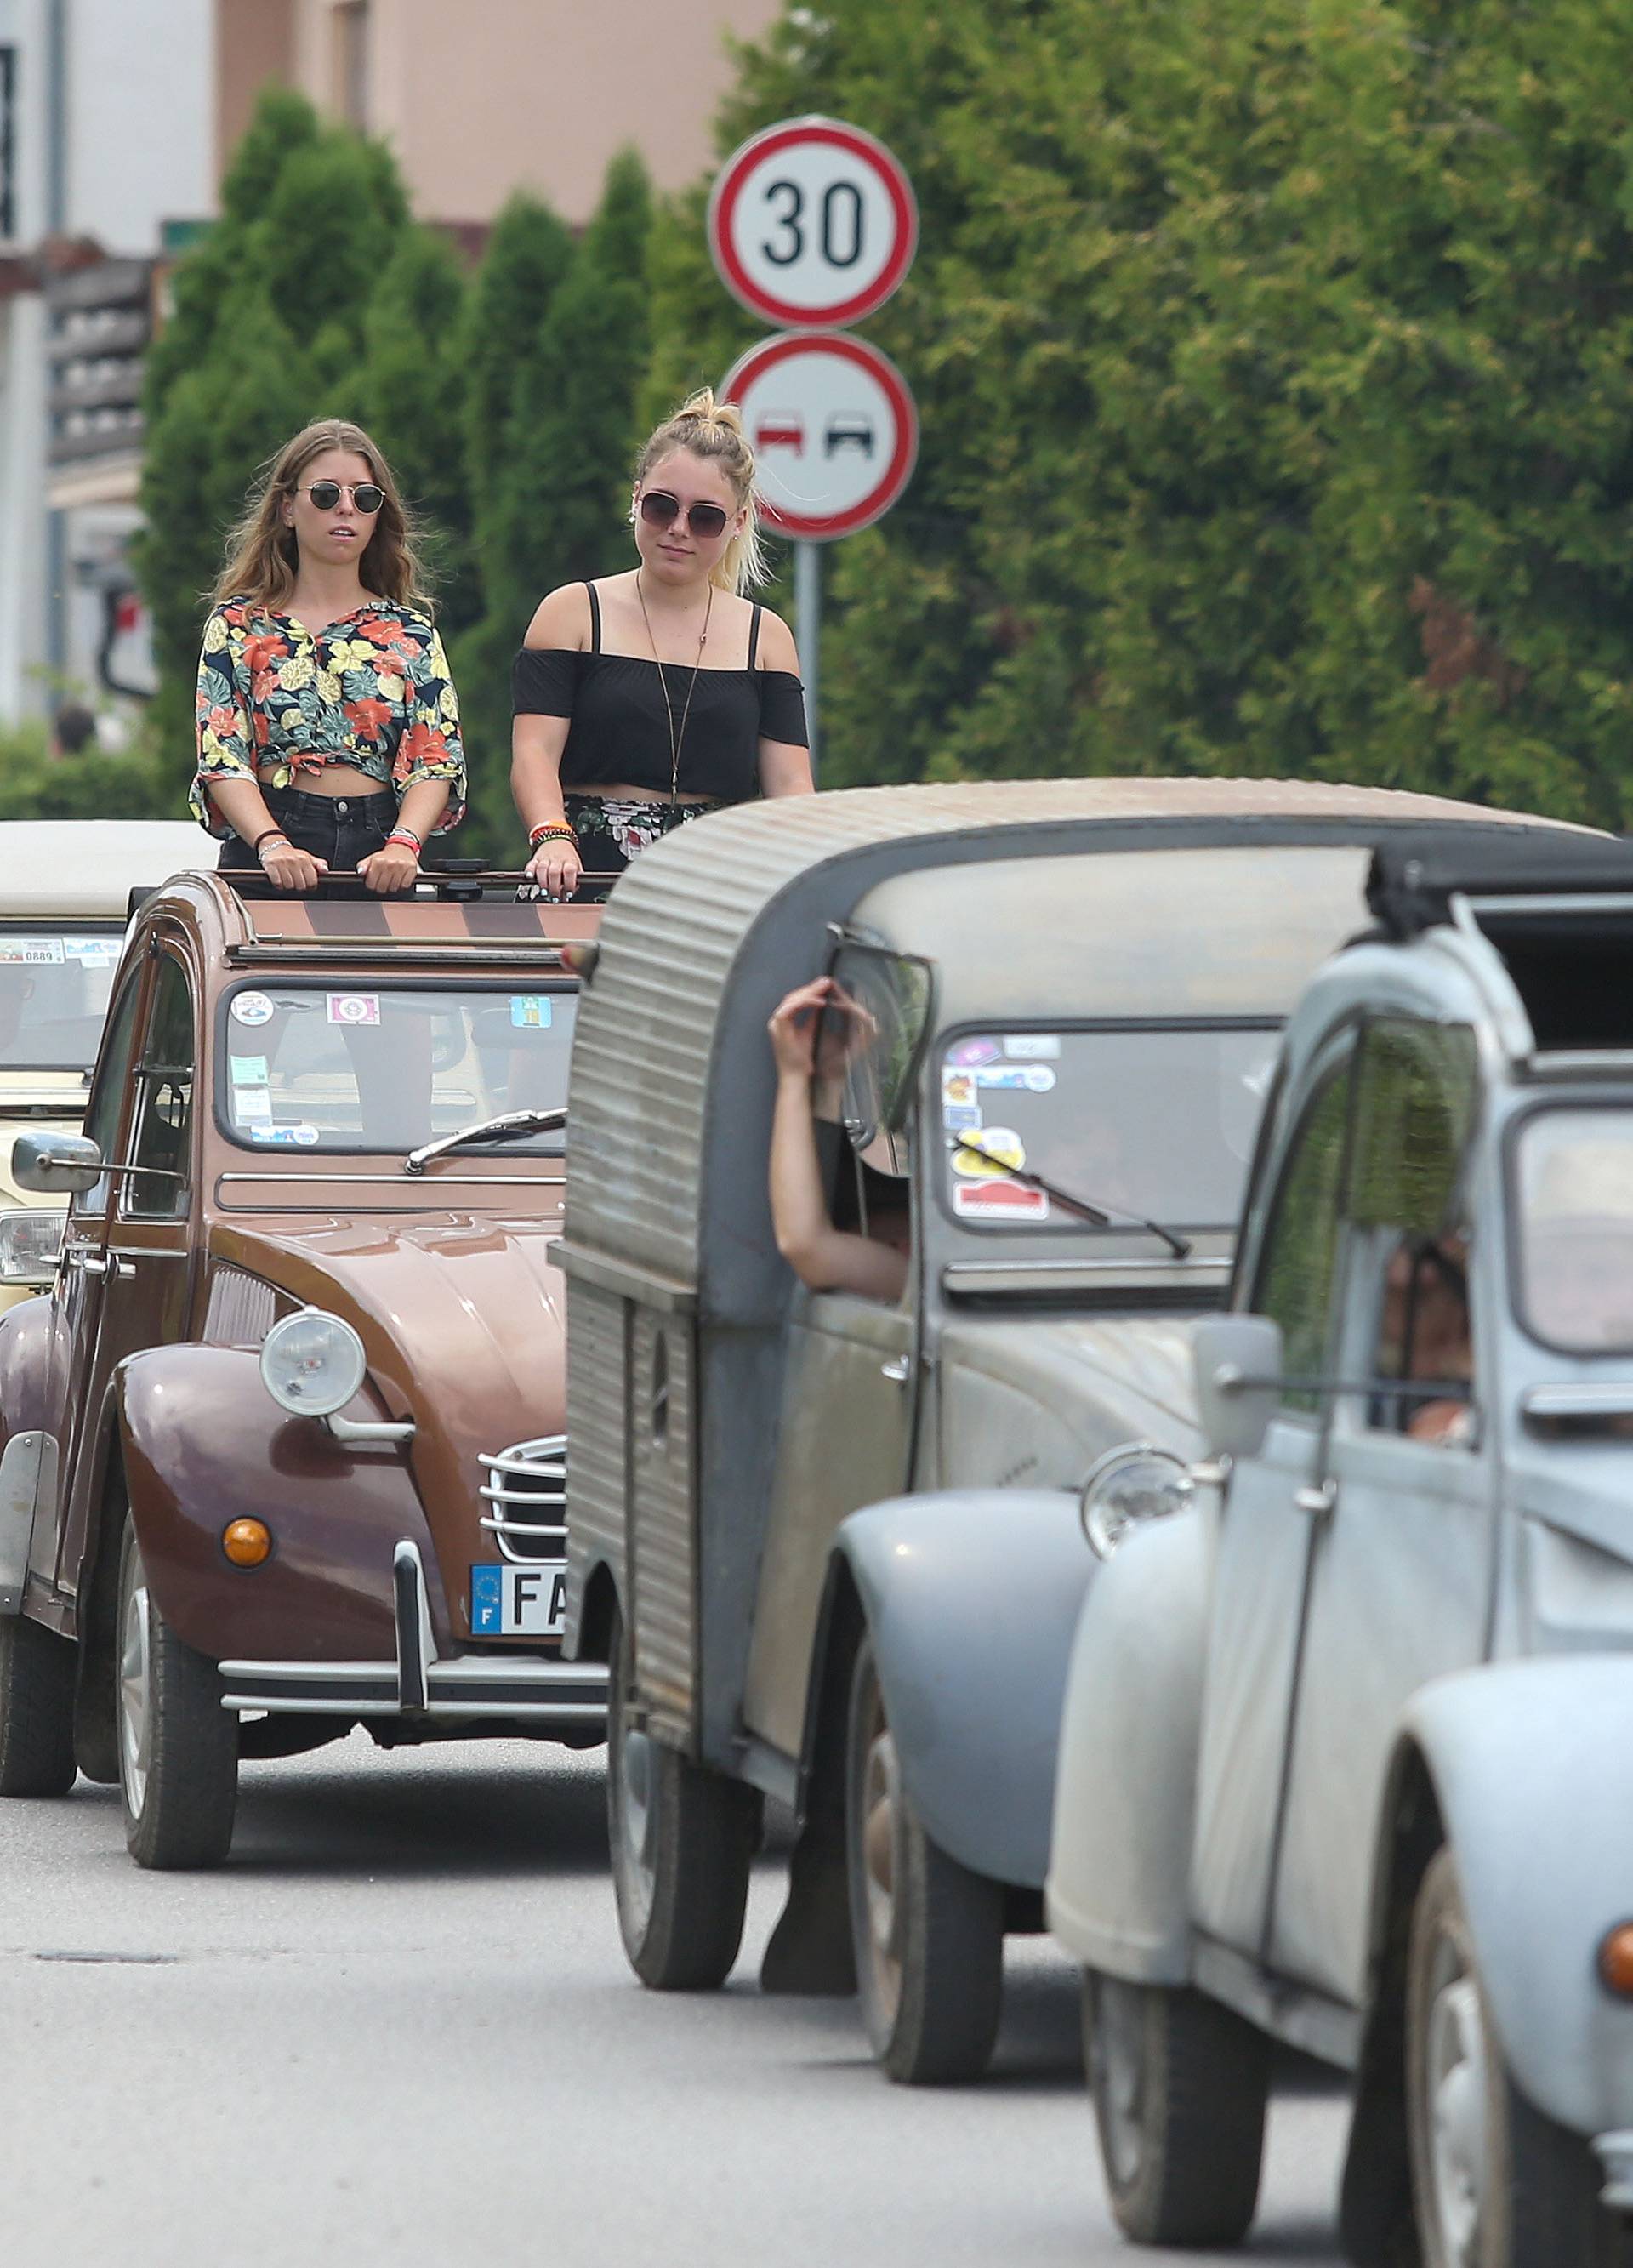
1415, 1099
54, 989
164, 1101
107, 1092
1297, 1266
1574, 1248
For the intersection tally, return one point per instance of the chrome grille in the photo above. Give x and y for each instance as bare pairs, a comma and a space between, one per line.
526, 1493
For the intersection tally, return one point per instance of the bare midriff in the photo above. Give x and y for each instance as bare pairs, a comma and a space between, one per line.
333, 780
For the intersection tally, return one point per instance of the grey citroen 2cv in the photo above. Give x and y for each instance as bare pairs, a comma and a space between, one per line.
1071, 992
1345, 1757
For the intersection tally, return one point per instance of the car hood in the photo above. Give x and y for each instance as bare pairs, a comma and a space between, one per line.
1034, 1402
462, 1317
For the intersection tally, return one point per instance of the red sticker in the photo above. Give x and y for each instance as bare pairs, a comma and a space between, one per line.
1000, 1201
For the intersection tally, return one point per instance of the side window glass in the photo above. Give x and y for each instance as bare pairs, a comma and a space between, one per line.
107, 1092
1298, 1265
870, 1045
1415, 1097
164, 1111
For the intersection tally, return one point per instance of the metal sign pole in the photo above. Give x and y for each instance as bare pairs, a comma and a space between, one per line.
808, 631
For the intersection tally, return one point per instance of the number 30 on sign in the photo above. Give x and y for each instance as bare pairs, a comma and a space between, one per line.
813, 222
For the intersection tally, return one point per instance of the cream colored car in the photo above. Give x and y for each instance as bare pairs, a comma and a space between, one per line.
65, 889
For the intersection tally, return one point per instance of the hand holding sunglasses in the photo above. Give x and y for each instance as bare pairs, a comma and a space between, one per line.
367, 496
706, 521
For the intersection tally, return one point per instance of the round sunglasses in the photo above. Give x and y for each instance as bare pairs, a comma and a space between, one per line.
367, 496
660, 509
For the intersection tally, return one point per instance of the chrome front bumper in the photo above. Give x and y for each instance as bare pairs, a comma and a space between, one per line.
419, 1681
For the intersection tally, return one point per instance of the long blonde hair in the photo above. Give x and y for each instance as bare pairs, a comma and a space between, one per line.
714, 431
262, 556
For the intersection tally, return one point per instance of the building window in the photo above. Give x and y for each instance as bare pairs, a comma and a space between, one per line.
351, 61
8, 144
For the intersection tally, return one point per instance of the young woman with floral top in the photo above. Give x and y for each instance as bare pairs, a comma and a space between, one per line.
646, 699
329, 730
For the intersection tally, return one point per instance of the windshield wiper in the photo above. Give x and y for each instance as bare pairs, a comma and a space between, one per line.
1098, 1215
505, 1127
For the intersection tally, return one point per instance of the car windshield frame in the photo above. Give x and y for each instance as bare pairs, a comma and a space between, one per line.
1124, 1224
1576, 1105
60, 929
501, 985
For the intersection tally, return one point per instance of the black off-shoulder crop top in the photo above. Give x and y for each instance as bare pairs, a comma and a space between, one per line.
620, 729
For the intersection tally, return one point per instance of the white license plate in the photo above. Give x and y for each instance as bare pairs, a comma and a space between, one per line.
508, 1601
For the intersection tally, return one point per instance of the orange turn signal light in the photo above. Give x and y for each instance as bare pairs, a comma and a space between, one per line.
1615, 1958
246, 1542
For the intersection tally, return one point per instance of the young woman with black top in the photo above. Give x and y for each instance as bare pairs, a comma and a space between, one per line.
328, 733
646, 699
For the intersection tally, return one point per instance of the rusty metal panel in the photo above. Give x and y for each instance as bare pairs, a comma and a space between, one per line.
598, 1400
663, 1468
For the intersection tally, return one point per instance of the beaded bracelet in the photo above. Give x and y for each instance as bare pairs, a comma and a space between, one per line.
547, 828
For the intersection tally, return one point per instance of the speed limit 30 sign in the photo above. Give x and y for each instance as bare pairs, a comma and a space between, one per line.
813, 223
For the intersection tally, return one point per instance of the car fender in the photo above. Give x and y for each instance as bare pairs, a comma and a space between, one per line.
204, 1443
971, 1598
1117, 1896
1534, 1777
26, 1332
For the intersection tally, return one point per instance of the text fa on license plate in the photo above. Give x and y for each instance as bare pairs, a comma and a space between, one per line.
509, 1602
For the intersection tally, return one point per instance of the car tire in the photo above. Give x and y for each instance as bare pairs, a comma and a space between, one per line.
178, 1747
1496, 2184
36, 1709
1181, 2089
928, 1933
683, 1839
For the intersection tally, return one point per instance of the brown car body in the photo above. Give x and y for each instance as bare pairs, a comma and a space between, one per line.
131, 1393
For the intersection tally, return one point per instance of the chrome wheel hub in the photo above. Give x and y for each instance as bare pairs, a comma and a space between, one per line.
881, 1826
1117, 2071
637, 1810
135, 1690
1454, 2094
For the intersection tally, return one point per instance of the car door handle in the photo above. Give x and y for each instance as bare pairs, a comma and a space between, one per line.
98, 1263
1318, 1499
899, 1369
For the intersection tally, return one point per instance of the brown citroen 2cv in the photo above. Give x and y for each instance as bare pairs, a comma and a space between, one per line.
277, 1452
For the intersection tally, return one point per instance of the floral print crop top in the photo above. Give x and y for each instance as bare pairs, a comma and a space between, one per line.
372, 690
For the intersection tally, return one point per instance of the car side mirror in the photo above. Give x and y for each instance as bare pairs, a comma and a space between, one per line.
56, 1165
1238, 1362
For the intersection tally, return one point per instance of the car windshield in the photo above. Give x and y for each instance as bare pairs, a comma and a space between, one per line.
54, 989
1574, 1252
385, 1067
1137, 1120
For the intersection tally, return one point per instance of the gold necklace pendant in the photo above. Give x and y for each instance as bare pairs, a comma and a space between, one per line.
675, 738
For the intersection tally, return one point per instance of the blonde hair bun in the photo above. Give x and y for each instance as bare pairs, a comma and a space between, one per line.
713, 429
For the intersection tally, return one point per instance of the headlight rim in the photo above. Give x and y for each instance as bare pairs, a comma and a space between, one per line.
1092, 1496
350, 1343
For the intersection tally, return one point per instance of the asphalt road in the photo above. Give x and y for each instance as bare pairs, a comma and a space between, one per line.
399, 2028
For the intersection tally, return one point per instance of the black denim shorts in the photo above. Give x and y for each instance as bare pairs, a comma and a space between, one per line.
341, 828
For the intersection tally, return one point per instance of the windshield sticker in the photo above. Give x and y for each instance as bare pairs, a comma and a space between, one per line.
252, 1106
959, 1117
1037, 1077
353, 1007
95, 952
248, 1071
958, 1086
1032, 1047
999, 1148
977, 1051
1000, 1201
31, 948
252, 1008
300, 1134
530, 1012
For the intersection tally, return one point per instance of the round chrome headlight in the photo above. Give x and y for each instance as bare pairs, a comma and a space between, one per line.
1136, 1481
311, 1363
